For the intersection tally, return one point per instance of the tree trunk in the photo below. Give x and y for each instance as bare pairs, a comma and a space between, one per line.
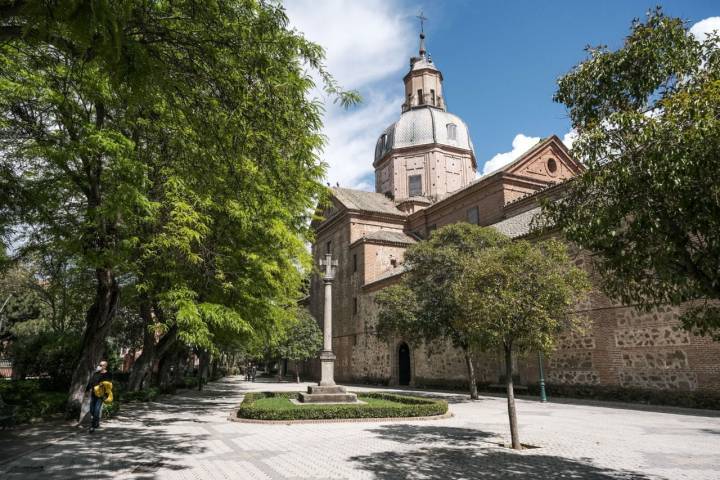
472, 381
297, 372
515, 437
204, 368
147, 358
142, 364
97, 325
179, 373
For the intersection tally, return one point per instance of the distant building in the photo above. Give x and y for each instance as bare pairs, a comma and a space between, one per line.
425, 177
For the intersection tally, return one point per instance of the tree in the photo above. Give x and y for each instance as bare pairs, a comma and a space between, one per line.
648, 122
420, 308
303, 340
518, 296
179, 131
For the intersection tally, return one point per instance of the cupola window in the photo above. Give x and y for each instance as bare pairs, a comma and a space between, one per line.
414, 185
451, 131
420, 97
432, 97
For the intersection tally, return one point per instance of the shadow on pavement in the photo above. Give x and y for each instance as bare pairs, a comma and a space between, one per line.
458, 453
134, 443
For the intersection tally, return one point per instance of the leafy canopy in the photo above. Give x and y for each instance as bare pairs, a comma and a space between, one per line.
303, 339
420, 307
519, 295
648, 123
169, 144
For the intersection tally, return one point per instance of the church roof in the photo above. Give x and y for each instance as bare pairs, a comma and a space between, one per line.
394, 236
366, 201
518, 225
424, 126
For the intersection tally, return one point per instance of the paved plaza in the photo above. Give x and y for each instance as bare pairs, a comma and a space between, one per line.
189, 436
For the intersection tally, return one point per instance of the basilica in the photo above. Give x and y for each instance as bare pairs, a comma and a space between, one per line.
426, 177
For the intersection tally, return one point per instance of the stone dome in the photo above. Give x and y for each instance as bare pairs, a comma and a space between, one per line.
424, 126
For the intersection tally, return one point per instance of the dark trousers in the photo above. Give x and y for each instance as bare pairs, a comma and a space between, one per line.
95, 409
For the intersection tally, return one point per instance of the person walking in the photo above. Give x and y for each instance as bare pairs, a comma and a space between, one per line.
100, 388
253, 372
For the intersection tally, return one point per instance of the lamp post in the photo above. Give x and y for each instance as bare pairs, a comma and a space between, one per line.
543, 396
327, 357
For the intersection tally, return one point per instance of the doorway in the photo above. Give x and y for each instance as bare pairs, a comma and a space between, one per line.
404, 364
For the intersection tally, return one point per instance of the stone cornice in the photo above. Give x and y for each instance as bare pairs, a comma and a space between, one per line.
424, 148
343, 213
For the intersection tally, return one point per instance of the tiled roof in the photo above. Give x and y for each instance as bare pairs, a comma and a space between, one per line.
390, 236
366, 201
395, 272
519, 225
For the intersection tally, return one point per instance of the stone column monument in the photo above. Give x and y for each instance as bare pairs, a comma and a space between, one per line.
327, 357
327, 391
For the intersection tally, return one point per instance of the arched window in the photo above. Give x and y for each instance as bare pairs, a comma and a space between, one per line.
451, 131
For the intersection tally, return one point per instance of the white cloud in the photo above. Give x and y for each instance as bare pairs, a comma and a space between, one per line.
569, 138
367, 46
704, 27
520, 144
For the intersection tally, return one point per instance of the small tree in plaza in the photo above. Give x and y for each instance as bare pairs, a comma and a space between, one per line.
517, 296
648, 122
421, 307
304, 340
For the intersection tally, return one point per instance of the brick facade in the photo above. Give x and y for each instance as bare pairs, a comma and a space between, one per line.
620, 346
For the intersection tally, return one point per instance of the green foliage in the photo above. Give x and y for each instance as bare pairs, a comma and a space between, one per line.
30, 400
47, 354
420, 307
518, 295
172, 145
303, 339
277, 406
648, 122
146, 395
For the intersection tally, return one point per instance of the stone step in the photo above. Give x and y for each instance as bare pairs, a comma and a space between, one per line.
316, 389
328, 398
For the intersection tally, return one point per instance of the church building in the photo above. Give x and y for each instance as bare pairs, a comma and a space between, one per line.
426, 177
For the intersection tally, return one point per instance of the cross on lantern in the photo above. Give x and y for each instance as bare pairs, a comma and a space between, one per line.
422, 19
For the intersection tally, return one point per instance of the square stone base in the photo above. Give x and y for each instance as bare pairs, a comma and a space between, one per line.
327, 394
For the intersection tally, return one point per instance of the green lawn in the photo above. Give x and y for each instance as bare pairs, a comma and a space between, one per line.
277, 406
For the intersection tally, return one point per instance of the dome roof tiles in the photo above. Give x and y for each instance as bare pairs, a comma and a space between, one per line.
424, 126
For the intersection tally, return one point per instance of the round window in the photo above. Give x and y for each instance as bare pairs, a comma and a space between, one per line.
551, 165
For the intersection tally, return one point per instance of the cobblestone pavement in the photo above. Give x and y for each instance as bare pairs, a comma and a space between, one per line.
188, 436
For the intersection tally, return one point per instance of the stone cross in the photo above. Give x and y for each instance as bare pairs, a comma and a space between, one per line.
327, 357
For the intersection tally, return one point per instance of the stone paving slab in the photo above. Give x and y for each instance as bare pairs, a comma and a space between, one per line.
189, 437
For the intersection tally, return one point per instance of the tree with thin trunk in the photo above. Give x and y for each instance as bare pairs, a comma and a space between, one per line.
303, 340
419, 307
517, 297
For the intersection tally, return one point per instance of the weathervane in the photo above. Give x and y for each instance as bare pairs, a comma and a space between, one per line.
422, 19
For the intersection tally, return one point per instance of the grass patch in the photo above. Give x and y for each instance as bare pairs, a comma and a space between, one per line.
277, 406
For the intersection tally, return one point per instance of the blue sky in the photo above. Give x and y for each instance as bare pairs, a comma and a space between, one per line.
500, 61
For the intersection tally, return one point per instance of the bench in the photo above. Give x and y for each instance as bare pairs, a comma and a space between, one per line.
7, 414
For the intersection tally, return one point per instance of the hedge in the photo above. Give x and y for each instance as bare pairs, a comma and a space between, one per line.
406, 407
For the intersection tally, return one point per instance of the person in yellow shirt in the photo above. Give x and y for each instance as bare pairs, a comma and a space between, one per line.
100, 388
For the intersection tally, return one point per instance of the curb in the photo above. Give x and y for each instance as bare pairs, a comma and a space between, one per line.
234, 418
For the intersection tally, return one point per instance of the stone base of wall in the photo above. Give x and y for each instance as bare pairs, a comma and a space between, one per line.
676, 398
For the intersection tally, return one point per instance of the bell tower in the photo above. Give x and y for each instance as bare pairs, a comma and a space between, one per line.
427, 154
423, 83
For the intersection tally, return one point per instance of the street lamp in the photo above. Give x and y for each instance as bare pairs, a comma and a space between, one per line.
543, 396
